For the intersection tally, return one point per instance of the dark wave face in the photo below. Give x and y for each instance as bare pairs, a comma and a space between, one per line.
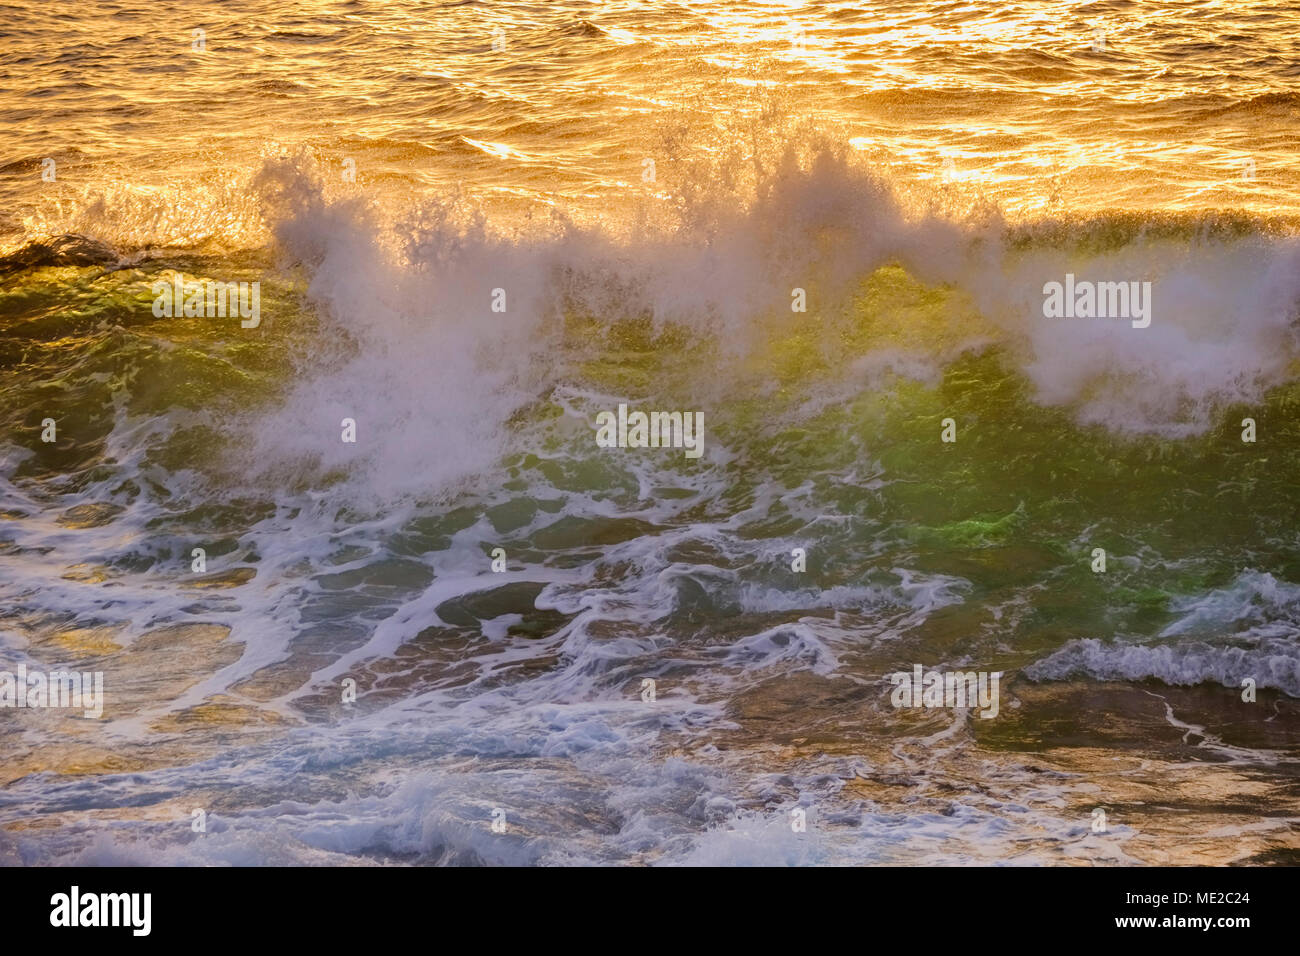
313, 322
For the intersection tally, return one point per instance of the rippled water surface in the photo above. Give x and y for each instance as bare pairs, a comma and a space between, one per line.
642, 187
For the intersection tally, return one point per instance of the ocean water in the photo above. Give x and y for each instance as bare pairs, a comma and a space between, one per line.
639, 188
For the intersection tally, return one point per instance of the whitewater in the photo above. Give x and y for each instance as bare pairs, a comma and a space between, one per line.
433, 619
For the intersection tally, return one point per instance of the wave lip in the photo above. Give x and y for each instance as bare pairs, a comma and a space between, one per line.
65, 250
1273, 663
